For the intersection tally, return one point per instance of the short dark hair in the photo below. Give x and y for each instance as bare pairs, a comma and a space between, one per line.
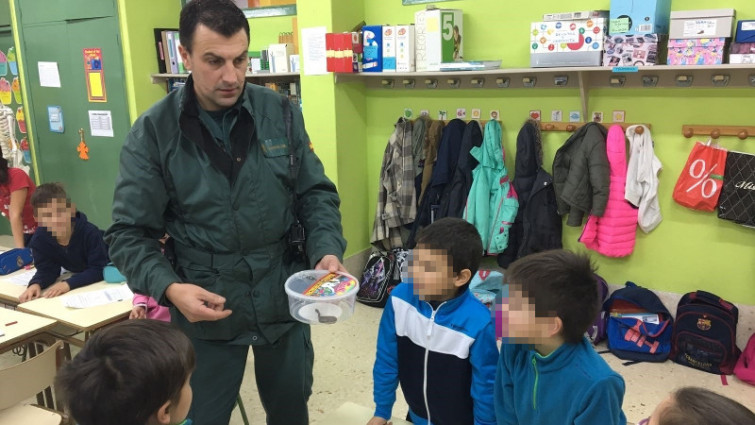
698, 406
459, 239
126, 372
560, 284
221, 16
46, 193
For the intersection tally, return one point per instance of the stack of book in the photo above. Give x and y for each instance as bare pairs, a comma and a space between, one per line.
168, 57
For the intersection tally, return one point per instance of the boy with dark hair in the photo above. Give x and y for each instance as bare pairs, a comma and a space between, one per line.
548, 372
435, 337
132, 373
64, 239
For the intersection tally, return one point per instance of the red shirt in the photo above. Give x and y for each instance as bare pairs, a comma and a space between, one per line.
17, 180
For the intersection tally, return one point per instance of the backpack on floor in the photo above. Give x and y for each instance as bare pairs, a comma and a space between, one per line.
705, 335
638, 325
597, 331
14, 259
745, 368
381, 274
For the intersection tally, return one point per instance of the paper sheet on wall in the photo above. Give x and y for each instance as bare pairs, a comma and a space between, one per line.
101, 297
314, 50
20, 278
48, 74
101, 123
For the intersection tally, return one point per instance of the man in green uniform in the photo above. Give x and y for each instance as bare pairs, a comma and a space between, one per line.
210, 165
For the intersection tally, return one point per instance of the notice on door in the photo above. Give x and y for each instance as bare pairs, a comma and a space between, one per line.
95, 75
48, 74
101, 123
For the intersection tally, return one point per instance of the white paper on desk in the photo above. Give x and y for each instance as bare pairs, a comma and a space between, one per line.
48, 74
95, 298
315, 53
20, 279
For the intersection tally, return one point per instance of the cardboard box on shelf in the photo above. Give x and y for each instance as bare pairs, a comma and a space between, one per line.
438, 36
372, 41
575, 16
405, 48
745, 32
567, 43
639, 17
710, 23
389, 48
742, 53
279, 57
697, 51
635, 50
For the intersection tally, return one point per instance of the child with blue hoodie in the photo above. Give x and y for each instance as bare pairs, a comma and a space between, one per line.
435, 338
64, 239
548, 372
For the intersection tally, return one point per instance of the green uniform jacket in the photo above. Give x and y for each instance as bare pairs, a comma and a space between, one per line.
228, 214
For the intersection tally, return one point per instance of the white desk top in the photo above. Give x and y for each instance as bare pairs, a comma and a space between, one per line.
27, 414
27, 325
83, 319
353, 414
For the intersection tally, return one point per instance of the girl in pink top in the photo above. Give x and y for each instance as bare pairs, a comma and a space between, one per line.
16, 189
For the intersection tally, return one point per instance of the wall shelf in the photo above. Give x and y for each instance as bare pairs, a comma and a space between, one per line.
582, 78
286, 76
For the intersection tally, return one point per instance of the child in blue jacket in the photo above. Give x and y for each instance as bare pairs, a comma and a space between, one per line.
548, 372
64, 239
436, 339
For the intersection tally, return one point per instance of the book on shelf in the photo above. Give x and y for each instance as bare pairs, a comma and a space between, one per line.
470, 65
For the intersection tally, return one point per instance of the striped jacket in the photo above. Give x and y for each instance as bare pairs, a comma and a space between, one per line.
444, 358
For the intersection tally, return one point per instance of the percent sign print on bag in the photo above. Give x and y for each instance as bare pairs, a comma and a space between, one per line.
707, 190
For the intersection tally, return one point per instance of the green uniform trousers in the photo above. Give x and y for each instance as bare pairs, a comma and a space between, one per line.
283, 371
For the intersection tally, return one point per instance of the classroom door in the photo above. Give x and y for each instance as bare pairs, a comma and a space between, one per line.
54, 43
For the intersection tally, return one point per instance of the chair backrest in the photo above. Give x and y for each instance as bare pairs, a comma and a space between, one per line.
24, 380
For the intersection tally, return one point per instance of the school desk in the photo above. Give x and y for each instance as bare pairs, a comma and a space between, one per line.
28, 414
21, 328
85, 320
351, 413
10, 291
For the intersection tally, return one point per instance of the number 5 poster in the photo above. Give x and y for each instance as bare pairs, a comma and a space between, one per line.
699, 185
95, 75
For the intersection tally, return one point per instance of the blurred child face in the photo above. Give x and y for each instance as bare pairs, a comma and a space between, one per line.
520, 324
432, 274
56, 217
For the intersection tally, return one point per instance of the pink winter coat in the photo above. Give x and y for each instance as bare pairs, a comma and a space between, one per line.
154, 310
613, 234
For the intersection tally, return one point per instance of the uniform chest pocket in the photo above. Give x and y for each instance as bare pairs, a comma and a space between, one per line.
274, 148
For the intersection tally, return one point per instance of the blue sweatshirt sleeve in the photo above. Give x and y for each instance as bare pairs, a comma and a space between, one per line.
385, 371
47, 269
504, 389
602, 404
483, 355
95, 251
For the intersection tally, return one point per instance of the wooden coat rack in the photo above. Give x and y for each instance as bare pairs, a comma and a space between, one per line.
716, 131
573, 126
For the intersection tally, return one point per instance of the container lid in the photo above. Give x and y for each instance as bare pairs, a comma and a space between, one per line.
331, 284
703, 13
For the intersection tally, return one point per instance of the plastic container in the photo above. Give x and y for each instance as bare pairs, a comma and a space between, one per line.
315, 298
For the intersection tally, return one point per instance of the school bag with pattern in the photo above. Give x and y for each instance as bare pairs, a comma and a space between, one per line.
381, 274
705, 335
745, 368
638, 325
597, 331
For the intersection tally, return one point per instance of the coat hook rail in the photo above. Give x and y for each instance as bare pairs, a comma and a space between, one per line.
716, 131
573, 126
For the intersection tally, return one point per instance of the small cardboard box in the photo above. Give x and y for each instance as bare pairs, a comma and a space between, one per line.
280, 54
389, 48
745, 32
639, 16
405, 48
635, 50
438, 37
742, 53
567, 43
372, 56
697, 51
575, 16
710, 23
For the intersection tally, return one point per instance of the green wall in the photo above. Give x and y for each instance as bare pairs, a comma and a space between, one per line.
689, 250
264, 31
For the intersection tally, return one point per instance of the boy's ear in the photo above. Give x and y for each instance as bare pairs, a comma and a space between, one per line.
556, 326
462, 278
162, 416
